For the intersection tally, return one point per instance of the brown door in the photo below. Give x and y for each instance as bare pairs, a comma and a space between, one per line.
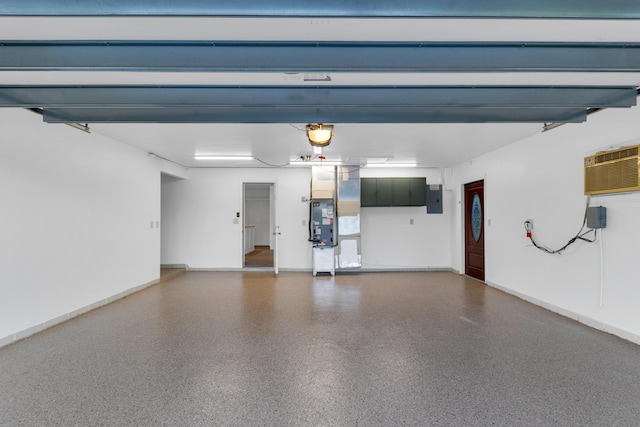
474, 229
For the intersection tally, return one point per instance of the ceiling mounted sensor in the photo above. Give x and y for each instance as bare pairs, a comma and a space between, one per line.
319, 135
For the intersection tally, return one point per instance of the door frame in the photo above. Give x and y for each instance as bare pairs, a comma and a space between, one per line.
461, 222
273, 220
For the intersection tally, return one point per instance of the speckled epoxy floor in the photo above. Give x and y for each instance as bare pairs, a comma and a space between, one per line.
233, 348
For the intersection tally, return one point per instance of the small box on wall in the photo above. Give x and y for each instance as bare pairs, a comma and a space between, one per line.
597, 217
434, 198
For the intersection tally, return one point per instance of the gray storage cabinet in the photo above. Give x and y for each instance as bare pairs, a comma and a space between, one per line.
393, 192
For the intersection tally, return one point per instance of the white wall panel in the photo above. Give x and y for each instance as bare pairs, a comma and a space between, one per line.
390, 241
541, 178
79, 220
200, 212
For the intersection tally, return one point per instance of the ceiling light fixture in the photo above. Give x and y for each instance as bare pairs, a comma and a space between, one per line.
319, 135
209, 157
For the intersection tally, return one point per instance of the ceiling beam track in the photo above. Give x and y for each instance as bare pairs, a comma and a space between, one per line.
318, 57
568, 9
292, 96
109, 96
360, 114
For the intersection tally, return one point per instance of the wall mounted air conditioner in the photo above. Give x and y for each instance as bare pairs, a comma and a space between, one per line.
612, 171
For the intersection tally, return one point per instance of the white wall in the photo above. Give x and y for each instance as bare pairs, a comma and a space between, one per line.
198, 228
75, 221
390, 241
77, 209
199, 215
541, 178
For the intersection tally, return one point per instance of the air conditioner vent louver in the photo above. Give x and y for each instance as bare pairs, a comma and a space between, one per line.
615, 155
612, 171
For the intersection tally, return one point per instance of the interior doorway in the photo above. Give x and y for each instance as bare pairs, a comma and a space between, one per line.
258, 225
171, 263
474, 230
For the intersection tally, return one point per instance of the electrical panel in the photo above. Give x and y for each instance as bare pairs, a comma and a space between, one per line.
434, 198
597, 217
322, 222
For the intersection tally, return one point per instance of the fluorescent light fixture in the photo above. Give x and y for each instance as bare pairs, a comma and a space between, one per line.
209, 157
319, 135
391, 165
327, 163
297, 162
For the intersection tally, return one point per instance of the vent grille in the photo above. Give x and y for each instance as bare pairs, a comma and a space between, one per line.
612, 172
615, 155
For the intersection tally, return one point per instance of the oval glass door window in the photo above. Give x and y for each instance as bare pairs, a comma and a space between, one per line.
476, 217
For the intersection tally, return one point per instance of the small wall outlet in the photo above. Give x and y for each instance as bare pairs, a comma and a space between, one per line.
528, 226
411, 221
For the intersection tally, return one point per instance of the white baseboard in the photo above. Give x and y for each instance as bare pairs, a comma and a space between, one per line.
338, 270
402, 269
585, 320
183, 266
63, 318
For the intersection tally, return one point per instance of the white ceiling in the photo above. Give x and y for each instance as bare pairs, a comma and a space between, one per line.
429, 145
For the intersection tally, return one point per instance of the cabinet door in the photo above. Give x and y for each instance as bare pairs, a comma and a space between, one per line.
393, 192
401, 191
368, 192
418, 192
384, 193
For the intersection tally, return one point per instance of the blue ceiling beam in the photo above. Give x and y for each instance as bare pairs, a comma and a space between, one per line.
359, 114
568, 9
320, 57
301, 96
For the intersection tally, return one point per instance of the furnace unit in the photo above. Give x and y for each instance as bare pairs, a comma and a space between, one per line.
322, 227
334, 220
